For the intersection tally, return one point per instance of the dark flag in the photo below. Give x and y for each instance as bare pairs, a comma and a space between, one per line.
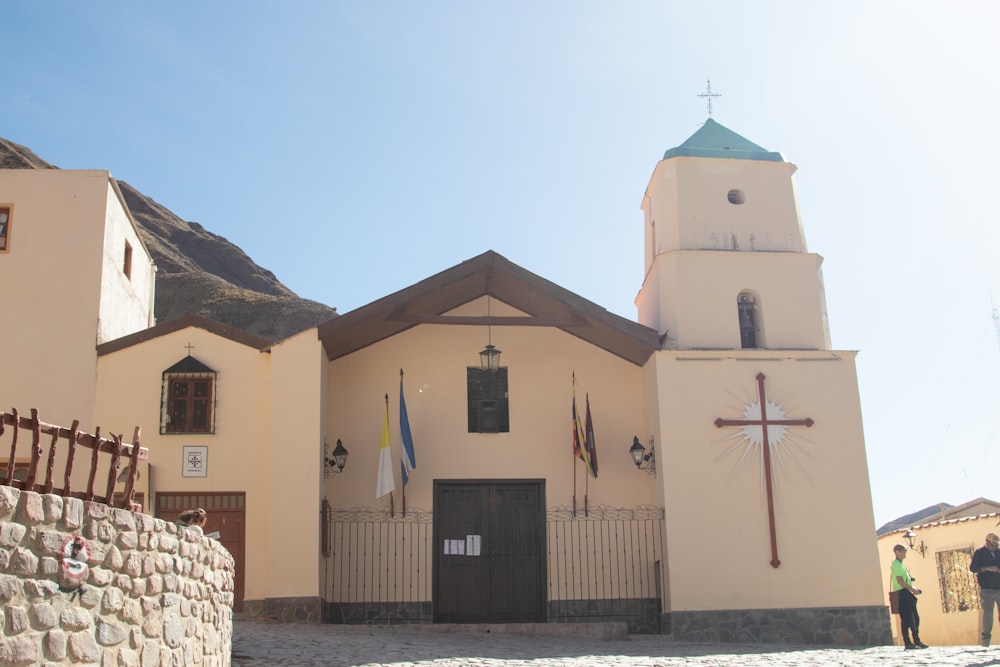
591, 443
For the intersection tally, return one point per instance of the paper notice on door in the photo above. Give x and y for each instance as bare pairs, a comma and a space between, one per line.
454, 547
473, 544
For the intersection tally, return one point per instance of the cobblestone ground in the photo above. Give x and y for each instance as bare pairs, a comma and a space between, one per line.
258, 644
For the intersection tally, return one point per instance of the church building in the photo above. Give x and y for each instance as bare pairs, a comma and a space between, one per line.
487, 446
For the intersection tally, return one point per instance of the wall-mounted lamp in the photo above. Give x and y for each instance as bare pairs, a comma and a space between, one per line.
335, 465
911, 538
643, 460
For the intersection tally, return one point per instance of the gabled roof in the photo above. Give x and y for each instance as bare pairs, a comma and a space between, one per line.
940, 513
715, 140
190, 320
912, 518
490, 273
189, 365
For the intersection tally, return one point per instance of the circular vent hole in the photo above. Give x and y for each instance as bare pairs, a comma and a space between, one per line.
736, 196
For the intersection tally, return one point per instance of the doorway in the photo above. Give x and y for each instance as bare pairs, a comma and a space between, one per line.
489, 551
226, 515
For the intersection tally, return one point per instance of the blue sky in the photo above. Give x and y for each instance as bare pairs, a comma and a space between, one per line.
354, 148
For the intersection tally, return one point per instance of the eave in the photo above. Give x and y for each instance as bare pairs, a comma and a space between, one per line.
545, 303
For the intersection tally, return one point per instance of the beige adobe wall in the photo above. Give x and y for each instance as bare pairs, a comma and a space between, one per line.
82, 583
53, 277
540, 363
788, 289
129, 384
295, 471
126, 304
937, 627
716, 504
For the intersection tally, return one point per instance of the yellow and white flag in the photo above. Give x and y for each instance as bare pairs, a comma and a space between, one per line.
386, 482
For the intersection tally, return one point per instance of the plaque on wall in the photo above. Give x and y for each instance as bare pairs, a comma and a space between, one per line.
195, 463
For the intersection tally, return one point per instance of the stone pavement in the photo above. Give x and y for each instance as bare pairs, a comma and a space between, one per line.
260, 644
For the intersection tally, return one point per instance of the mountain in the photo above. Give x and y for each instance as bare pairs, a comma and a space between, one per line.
913, 518
201, 272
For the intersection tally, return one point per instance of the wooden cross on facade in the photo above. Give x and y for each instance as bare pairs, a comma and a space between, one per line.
764, 422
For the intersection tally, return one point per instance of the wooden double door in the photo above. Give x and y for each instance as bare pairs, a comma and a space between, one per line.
489, 551
226, 515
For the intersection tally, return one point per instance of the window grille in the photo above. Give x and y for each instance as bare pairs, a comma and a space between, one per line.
959, 590
188, 398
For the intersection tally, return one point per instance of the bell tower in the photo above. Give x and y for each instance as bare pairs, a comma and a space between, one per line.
726, 264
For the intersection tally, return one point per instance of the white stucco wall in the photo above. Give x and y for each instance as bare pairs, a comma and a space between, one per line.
129, 386
937, 626
540, 363
788, 288
686, 203
52, 289
295, 468
126, 302
718, 532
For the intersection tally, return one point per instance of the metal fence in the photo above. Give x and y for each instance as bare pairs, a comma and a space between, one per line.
601, 565
379, 566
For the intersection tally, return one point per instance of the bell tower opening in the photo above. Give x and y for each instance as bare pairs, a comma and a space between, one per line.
749, 319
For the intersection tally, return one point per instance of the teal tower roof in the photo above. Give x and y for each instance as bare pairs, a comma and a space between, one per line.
714, 140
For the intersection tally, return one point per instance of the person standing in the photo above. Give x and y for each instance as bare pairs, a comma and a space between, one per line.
986, 564
909, 619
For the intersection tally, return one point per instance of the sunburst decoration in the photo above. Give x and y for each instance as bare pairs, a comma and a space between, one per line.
746, 441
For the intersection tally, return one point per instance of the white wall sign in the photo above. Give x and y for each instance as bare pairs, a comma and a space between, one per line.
195, 463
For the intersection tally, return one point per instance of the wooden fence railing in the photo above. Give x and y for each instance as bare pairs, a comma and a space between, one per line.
76, 439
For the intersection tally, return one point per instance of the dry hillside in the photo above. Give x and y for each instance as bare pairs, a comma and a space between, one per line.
201, 272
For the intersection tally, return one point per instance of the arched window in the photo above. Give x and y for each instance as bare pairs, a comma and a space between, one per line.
746, 306
188, 398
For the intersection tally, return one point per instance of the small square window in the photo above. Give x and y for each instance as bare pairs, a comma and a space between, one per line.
127, 267
4, 228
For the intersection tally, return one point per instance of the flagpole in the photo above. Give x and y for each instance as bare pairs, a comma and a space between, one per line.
586, 474
574, 486
392, 512
401, 438
574, 440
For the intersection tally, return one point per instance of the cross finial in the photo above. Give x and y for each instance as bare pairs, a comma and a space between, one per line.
708, 95
189, 347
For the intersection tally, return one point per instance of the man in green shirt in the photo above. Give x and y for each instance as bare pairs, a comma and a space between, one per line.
909, 619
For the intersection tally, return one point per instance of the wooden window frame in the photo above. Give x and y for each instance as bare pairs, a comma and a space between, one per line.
5, 227
167, 425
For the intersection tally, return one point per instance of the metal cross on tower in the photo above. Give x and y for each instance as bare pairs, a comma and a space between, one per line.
764, 422
708, 95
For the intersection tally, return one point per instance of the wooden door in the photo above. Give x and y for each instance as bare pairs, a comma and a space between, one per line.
489, 551
226, 514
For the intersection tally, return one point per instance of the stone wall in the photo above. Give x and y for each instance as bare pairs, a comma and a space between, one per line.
284, 610
829, 626
82, 583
